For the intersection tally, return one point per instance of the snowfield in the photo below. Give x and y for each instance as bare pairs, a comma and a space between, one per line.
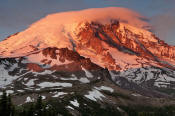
5, 78
54, 84
95, 95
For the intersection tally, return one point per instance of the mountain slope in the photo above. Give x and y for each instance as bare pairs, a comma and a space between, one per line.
104, 58
100, 36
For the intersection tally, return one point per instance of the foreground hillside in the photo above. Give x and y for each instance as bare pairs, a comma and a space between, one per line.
76, 105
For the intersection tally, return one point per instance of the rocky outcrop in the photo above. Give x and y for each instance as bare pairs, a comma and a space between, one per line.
63, 55
34, 67
51, 52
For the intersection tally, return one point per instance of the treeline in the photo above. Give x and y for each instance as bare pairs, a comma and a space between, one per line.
6, 106
37, 108
87, 108
149, 111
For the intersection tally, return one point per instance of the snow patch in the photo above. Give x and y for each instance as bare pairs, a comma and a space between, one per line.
12, 67
105, 88
5, 78
29, 99
20, 90
30, 82
88, 74
45, 72
75, 103
136, 94
71, 78
54, 84
59, 94
84, 80
70, 107
94, 95
9, 92
43, 97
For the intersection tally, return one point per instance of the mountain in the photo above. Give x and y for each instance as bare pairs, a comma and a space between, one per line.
107, 55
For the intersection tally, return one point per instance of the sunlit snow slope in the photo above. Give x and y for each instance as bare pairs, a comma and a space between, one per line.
99, 34
61, 29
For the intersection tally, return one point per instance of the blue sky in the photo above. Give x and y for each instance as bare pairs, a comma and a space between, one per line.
16, 15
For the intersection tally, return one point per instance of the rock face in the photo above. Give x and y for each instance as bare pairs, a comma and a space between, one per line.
125, 38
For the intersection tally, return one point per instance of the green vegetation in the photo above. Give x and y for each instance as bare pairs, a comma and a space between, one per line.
6, 106
149, 110
38, 108
58, 107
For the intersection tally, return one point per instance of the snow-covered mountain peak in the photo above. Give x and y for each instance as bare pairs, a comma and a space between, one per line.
56, 29
113, 38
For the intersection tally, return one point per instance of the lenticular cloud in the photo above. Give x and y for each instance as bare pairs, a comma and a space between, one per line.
103, 15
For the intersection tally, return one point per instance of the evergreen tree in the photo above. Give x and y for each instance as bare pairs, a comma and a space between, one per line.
6, 106
13, 111
39, 106
3, 105
9, 105
30, 112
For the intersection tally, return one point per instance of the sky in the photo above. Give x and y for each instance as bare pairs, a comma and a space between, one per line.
17, 15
